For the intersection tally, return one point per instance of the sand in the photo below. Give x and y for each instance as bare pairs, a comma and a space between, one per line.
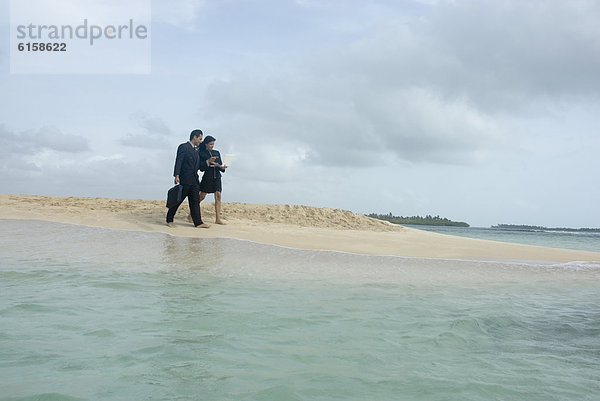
285, 225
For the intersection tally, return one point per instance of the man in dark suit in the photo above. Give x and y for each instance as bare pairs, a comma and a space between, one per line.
187, 164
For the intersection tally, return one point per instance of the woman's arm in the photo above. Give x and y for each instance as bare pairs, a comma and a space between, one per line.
220, 162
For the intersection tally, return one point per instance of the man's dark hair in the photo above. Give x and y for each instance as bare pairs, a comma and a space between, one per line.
195, 133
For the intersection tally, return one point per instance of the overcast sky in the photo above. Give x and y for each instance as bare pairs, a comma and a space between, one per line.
479, 111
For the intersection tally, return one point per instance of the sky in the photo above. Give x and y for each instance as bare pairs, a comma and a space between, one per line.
479, 111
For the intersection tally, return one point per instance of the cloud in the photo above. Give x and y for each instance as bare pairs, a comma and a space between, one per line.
10, 142
47, 161
497, 55
52, 138
418, 125
45, 138
26, 157
155, 132
444, 87
342, 123
152, 125
111, 176
521, 49
96, 176
281, 112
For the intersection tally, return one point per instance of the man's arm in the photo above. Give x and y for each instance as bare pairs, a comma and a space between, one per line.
179, 162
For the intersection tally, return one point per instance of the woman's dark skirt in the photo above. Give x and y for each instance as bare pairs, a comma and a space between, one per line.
210, 185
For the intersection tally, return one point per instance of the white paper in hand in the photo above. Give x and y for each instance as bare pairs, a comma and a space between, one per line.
228, 159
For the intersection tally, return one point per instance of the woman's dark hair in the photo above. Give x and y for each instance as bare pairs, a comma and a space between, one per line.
208, 139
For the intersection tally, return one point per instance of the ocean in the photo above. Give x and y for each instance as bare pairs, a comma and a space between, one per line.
580, 240
95, 314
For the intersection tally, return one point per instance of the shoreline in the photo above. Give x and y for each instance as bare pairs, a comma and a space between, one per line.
292, 226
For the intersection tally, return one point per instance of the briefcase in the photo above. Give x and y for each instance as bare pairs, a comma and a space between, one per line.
174, 196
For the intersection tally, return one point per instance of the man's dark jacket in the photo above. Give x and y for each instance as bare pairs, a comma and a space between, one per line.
187, 164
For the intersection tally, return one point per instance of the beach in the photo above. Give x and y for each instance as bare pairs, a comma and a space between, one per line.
293, 226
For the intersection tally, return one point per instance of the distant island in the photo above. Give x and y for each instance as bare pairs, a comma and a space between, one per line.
522, 227
418, 220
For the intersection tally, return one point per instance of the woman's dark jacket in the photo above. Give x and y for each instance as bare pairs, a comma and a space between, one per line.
210, 171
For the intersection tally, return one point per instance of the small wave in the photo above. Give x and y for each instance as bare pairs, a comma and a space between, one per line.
578, 233
449, 339
467, 327
31, 307
101, 333
576, 266
46, 397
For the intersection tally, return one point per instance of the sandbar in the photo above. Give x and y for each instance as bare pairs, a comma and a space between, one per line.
295, 226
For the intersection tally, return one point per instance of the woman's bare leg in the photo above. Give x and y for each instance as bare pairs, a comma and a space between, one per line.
218, 208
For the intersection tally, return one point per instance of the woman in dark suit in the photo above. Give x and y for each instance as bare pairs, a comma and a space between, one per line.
211, 180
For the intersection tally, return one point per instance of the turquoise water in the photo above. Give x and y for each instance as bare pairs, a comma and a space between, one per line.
94, 314
585, 241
